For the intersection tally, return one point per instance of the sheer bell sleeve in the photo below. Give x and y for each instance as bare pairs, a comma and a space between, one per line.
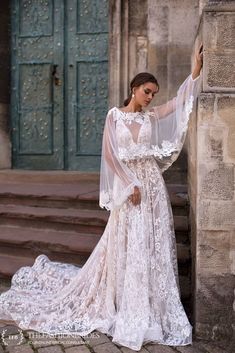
170, 122
117, 181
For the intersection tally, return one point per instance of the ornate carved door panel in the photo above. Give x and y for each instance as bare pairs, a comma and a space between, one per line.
59, 84
87, 38
37, 98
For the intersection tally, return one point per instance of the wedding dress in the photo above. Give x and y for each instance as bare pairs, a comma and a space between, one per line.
129, 287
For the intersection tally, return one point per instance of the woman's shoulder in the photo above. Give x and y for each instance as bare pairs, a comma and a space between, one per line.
114, 109
114, 113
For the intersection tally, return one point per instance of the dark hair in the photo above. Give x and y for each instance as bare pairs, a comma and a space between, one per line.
140, 79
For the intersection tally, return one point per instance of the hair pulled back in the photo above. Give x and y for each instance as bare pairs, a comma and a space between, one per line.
138, 80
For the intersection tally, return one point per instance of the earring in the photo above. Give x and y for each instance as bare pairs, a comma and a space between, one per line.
133, 95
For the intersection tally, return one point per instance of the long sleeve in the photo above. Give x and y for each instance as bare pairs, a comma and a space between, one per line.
170, 122
117, 181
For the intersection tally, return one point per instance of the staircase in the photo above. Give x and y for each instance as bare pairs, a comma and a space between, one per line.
57, 214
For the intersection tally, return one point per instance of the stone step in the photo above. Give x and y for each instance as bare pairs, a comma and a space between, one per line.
69, 246
22, 176
88, 221
84, 195
28, 241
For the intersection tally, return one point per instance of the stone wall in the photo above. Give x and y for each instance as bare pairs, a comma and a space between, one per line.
5, 146
211, 161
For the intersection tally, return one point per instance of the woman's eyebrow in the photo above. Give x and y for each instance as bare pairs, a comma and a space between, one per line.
150, 90
154, 92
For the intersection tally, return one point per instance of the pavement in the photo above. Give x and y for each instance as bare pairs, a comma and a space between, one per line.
15, 340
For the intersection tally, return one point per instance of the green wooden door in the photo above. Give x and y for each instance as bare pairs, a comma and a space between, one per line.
87, 38
59, 83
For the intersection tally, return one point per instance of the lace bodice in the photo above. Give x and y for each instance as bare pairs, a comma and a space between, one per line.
133, 129
134, 135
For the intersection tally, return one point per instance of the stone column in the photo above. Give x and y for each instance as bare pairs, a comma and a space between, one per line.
211, 161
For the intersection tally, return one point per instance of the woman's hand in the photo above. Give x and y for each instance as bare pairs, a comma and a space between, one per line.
135, 198
198, 60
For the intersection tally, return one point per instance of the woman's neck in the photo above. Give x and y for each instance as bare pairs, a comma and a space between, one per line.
132, 107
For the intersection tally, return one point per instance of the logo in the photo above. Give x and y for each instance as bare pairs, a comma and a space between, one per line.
10, 340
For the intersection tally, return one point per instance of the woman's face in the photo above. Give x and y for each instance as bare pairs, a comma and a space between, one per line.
145, 93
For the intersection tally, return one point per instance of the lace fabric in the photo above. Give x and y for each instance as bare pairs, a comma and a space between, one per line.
129, 286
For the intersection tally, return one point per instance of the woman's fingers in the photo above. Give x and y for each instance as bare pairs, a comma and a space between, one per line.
135, 198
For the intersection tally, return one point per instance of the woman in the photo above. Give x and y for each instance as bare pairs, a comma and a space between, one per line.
128, 288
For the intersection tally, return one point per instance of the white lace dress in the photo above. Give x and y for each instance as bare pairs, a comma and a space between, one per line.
128, 288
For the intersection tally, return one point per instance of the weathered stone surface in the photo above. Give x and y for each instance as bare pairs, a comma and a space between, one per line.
205, 108
22, 349
220, 30
226, 108
80, 349
106, 348
190, 349
212, 347
216, 182
52, 349
211, 141
218, 34
138, 17
214, 215
10, 329
219, 72
213, 250
158, 348
168, 48
215, 292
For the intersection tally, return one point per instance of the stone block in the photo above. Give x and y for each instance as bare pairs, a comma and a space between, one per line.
216, 215
80, 349
226, 109
226, 114
219, 51
214, 252
216, 182
159, 348
51, 349
138, 17
214, 300
220, 30
106, 348
21, 349
205, 108
158, 22
219, 73
210, 144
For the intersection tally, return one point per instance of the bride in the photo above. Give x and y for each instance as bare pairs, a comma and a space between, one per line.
129, 287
